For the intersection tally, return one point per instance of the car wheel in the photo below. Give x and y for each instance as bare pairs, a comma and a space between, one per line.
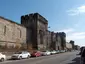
28, 57
20, 57
2, 59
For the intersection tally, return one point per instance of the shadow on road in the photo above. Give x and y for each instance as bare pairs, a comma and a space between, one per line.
75, 61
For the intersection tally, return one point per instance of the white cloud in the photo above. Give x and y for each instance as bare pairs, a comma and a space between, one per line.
76, 11
76, 36
77, 24
66, 30
79, 33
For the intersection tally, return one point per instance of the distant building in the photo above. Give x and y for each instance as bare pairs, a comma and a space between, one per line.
73, 46
62, 36
58, 41
76, 47
68, 46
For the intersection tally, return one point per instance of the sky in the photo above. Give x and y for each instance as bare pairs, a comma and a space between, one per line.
63, 15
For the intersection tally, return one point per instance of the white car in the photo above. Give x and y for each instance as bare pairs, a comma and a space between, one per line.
2, 57
53, 52
57, 51
62, 51
45, 53
21, 55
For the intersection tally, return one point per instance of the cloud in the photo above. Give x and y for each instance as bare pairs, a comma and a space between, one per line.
66, 30
76, 36
79, 33
77, 24
76, 11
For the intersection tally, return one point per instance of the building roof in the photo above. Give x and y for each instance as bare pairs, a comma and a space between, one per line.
12, 21
42, 17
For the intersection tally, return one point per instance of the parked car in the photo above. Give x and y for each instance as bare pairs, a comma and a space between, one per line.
36, 54
2, 57
81, 50
62, 51
82, 59
46, 53
57, 51
53, 52
21, 55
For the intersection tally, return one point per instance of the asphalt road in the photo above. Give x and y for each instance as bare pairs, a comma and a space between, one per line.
63, 58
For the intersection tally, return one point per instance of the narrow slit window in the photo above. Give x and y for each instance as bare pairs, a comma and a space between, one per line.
4, 30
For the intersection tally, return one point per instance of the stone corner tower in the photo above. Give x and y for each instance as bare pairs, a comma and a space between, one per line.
36, 26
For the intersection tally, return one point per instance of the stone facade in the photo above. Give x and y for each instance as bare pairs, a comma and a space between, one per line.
63, 40
68, 46
58, 41
42, 26
53, 41
48, 40
38, 36
58, 44
37, 25
32, 31
72, 42
11, 32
